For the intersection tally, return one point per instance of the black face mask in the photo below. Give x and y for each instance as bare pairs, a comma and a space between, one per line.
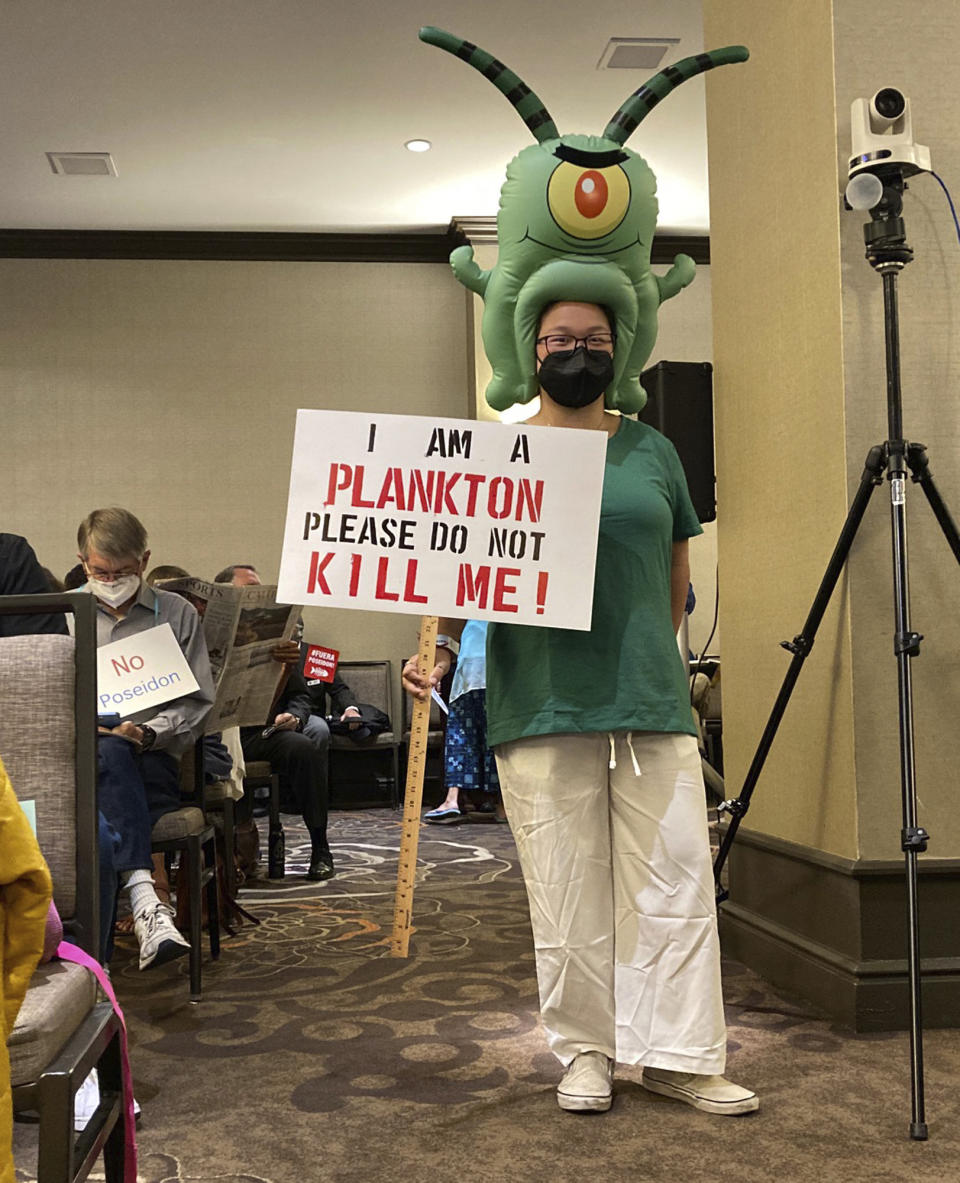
576, 377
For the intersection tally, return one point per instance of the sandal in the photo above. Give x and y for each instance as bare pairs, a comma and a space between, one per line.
443, 817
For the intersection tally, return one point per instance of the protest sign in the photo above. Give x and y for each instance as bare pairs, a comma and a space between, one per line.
443, 517
319, 664
142, 671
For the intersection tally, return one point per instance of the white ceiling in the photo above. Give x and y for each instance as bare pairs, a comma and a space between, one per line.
290, 115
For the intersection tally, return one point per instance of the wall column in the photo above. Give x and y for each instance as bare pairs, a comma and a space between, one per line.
817, 875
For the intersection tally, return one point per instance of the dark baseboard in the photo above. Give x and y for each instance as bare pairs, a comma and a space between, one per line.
834, 931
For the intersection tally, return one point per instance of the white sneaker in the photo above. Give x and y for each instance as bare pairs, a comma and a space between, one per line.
159, 938
587, 1085
711, 1094
86, 1101
88, 1098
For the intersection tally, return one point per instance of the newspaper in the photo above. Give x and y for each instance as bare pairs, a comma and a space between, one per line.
241, 626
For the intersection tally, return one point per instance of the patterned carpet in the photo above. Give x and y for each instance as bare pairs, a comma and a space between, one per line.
315, 1055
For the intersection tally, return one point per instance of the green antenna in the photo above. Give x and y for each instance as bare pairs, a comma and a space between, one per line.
529, 107
642, 101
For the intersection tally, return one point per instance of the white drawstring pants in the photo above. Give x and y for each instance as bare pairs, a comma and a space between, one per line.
611, 832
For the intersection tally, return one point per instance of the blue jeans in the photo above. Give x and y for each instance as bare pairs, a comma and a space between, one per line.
108, 841
134, 791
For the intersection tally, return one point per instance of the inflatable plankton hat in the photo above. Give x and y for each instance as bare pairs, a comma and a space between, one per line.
576, 222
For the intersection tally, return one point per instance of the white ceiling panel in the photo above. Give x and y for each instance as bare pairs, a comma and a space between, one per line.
291, 116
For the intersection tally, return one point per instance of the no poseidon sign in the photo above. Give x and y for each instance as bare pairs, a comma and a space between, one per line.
443, 517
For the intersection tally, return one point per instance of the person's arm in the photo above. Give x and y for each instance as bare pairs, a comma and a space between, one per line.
413, 682
343, 702
26, 886
679, 581
22, 575
287, 653
181, 719
341, 696
296, 704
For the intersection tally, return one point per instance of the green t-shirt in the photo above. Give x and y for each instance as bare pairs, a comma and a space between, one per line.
626, 673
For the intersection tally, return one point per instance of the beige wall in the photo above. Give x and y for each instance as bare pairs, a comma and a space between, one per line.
798, 329
171, 388
780, 424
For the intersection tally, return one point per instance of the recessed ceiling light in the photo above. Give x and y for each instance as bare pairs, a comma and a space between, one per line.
418, 145
635, 53
82, 164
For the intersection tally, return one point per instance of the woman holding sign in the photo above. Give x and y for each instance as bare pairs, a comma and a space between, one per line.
600, 771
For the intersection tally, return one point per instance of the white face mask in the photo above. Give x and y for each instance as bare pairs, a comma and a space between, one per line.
117, 592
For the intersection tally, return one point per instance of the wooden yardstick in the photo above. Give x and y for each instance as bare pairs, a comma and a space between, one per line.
413, 796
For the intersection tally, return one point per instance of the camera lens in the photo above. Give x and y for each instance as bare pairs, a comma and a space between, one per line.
889, 103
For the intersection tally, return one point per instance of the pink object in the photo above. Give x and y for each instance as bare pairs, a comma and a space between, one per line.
68, 952
52, 934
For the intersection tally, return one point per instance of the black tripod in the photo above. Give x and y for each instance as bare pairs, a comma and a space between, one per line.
888, 253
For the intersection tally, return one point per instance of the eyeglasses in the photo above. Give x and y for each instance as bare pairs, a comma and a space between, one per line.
108, 576
564, 342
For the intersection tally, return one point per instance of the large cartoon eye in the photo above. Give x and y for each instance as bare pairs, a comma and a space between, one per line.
588, 202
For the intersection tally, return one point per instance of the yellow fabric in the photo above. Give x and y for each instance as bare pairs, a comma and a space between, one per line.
25, 891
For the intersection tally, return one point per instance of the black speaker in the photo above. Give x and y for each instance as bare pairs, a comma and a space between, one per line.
680, 406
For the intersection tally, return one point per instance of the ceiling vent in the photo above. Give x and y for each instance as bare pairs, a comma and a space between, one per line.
82, 164
635, 53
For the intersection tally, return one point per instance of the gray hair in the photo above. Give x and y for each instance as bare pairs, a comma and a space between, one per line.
113, 532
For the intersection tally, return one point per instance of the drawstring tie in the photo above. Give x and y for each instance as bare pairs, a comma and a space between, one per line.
613, 753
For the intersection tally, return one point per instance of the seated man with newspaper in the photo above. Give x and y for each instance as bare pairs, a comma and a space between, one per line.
161, 688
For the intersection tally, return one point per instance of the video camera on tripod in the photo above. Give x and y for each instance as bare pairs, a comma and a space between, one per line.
882, 146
